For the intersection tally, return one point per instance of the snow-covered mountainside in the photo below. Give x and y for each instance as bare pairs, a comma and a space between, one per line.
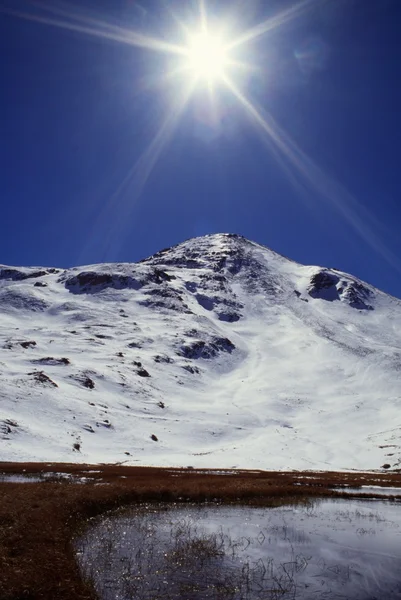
215, 353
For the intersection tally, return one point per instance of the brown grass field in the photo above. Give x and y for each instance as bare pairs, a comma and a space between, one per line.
38, 521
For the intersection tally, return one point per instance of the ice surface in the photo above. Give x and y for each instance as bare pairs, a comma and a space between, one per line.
328, 549
372, 489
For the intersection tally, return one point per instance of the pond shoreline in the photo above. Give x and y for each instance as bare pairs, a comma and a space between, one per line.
232, 552
39, 520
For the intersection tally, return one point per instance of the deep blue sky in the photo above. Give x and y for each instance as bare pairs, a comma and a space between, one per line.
78, 111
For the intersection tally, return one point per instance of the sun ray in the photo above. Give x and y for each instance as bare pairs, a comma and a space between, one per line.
112, 223
242, 65
317, 180
203, 16
149, 157
273, 22
103, 30
206, 58
159, 82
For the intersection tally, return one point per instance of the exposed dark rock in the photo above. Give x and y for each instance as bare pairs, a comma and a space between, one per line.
7, 426
134, 345
192, 333
170, 304
226, 308
202, 349
191, 286
42, 378
323, 286
235, 236
29, 344
143, 373
84, 380
154, 437
164, 296
229, 316
163, 358
88, 428
161, 404
328, 286
92, 282
105, 423
86, 279
357, 296
205, 302
164, 292
191, 369
190, 261
159, 276
213, 281
19, 275
40, 284
49, 360
17, 299
323, 280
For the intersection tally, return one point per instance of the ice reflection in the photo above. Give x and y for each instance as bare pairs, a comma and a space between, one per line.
330, 549
371, 489
11, 478
49, 476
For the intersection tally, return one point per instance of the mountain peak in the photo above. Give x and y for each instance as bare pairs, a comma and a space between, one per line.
225, 352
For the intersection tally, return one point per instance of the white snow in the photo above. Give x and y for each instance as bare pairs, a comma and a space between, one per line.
304, 382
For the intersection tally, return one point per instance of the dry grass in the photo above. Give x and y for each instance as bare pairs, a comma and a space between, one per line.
38, 520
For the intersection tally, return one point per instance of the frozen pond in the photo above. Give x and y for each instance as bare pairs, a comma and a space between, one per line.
41, 477
342, 549
11, 478
371, 489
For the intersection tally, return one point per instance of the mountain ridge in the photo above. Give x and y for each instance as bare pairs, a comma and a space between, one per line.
215, 352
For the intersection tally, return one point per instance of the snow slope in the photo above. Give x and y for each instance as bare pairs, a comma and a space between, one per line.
224, 352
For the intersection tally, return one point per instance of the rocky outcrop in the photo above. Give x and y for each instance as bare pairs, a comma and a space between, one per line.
329, 286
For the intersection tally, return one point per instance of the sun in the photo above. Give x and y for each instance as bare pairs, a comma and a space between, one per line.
207, 57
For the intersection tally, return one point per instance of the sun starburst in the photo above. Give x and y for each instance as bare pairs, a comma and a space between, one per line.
207, 57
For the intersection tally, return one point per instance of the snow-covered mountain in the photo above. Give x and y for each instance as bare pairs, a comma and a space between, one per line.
216, 353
